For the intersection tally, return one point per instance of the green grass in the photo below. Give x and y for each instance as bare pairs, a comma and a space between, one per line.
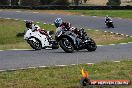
65, 77
10, 28
112, 13
103, 38
8, 31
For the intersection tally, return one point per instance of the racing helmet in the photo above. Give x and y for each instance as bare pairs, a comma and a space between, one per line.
28, 23
58, 22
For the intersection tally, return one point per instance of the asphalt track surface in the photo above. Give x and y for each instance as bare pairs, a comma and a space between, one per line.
11, 59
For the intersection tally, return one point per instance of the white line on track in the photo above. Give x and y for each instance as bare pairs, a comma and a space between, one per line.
112, 44
48, 48
32, 67
116, 61
48, 66
82, 15
2, 70
100, 45
90, 63
89, 29
19, 49
42, 66
8, 18
61, 65
94, 16
16, 19
127, 35
122, 34
35, 12
44, 23
18, 11
73, 64
22, 68
52, 24
129, 42
123, 43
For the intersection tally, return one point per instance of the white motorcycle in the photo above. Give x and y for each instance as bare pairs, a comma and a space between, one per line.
39, 41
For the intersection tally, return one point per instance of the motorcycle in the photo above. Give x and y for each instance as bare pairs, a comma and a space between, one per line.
39, 41
109, 24
69, 41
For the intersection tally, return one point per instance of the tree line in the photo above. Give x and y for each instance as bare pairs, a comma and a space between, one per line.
51, 2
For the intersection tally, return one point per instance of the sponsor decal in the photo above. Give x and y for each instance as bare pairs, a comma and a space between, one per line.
86, 81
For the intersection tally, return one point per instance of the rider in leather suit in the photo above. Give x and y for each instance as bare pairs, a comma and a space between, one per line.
34, 27
67, 26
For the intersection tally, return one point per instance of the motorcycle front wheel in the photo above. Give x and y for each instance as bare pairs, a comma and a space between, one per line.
66, 45
35, 43
112, 25
91, 45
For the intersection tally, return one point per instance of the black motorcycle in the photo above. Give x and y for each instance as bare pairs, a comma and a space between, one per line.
69, 41
109, 24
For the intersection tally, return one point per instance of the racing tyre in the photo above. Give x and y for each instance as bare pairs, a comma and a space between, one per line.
35, 43
66, 45
91, 45
112, 25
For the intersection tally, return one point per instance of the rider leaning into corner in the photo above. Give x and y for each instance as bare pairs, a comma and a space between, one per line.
107, 19
34, 27
64, 25
67, 26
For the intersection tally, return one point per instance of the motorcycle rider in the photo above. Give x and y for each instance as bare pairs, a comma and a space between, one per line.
107, 19
34, 27
67, 26
64, 25
109, 22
